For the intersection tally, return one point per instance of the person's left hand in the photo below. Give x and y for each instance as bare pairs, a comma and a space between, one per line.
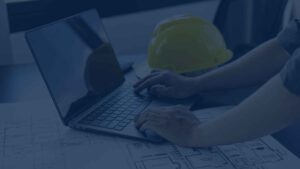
176, 124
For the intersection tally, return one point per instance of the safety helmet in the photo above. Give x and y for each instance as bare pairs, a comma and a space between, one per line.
187, 44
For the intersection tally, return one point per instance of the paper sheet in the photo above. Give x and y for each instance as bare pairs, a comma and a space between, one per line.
263, 153
33, 137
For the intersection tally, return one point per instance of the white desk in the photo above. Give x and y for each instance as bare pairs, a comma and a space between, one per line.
23, 83
32, 137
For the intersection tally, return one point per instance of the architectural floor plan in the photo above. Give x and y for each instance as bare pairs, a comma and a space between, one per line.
36, 139
264, 153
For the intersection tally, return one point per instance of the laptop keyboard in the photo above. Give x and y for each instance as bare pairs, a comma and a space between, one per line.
117, 112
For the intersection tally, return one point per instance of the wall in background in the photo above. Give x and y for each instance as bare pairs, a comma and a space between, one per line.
5, 50
130, 34
26, 14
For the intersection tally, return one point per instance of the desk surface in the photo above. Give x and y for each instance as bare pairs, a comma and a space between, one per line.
23, 82
32, 136
20, 83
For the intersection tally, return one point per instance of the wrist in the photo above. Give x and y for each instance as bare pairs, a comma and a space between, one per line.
194, 85
199, 85
198, 137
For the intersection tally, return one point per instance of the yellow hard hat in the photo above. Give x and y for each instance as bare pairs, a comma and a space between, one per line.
187, 44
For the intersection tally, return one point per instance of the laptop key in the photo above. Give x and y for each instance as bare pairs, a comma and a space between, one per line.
118, 112
122, 115
131, 117
122, 124
126, 121
103, 124
101, 117
114, 115
134, 112
119, 118
109, 118
119, 127
113, 124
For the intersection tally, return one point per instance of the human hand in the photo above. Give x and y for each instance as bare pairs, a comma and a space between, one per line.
176, 124
165, 84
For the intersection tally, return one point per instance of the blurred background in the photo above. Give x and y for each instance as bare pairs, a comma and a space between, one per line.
244, 23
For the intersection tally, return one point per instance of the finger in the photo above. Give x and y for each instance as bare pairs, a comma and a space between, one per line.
146, 126
154, 128
145, 78
141, 119
157, 70
149, 82
149, 115
160, 91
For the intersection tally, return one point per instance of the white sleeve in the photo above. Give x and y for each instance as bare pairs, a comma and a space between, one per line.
289, 37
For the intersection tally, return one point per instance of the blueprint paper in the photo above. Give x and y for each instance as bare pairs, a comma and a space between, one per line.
263, 153
33, 137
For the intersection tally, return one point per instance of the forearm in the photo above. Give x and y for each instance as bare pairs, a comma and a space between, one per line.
270, 109
256, 67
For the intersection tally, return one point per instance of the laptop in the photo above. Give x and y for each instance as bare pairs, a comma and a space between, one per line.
84, 78
5, 44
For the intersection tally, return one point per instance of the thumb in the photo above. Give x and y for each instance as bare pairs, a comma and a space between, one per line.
160, 91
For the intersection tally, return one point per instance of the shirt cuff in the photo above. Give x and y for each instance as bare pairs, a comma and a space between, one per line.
289, 38
290, 74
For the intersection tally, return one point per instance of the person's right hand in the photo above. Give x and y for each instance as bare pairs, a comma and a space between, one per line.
165, 84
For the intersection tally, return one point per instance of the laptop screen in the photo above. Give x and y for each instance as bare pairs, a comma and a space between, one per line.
77, 62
